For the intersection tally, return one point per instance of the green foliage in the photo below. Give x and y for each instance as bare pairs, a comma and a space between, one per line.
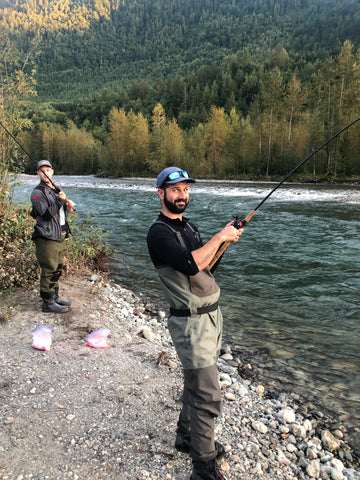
85, 45
18, 265
17, 255
178, 85
87, 249
88, 246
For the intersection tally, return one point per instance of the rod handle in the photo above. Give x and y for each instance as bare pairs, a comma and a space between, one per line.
66, 199
72, 206
225, 245
219, 253
249, 216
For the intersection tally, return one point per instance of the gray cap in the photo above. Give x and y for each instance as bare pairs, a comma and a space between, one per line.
172, 175
44, 163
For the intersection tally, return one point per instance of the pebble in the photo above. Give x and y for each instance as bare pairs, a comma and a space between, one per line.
259, 426
329, 441
286, 415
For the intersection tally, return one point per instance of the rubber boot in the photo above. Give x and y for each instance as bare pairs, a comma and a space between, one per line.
59, 300
206, 471
183, 444
49, 305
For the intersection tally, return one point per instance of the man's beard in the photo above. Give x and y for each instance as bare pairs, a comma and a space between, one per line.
173, 207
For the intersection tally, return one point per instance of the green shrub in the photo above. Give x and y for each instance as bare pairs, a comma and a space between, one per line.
87, 248
18, 265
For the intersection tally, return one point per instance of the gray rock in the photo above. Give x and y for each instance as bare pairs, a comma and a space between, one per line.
259, 427
313, 469
148, 334
336, 475
298, 430
286, 415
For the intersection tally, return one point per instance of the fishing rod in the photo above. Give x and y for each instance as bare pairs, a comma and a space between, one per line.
56, 189
242, 223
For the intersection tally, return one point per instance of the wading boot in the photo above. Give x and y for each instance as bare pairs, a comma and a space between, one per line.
49, 305
60, 301
206, 471
183, 444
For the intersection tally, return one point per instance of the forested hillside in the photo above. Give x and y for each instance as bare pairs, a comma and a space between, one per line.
85, 45
226, 88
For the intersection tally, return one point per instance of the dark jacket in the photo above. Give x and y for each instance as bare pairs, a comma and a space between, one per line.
46, 207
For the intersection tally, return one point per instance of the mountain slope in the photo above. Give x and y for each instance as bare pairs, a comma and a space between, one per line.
86, 45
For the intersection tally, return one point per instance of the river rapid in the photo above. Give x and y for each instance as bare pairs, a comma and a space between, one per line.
290, 286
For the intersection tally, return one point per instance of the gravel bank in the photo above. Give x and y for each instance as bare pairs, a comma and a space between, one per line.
77, 412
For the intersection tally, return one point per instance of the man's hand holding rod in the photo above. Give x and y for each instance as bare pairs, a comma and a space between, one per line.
204, 255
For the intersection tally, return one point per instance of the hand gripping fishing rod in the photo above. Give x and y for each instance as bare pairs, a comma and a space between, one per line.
241, 223
56, 189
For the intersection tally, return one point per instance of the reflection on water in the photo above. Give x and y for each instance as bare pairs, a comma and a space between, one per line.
290, 286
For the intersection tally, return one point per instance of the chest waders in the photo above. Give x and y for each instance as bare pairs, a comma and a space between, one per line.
195, 321
195, 325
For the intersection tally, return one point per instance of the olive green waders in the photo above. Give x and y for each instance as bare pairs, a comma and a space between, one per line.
195, 325
50, 255
197, 340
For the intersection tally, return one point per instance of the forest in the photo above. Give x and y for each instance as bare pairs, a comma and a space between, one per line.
226, 89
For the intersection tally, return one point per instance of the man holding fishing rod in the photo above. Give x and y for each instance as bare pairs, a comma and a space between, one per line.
50, 206
195, 323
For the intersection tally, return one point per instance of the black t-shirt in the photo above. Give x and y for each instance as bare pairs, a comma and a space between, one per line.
166, 249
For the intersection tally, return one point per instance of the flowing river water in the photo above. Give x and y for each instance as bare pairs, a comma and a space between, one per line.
290, 286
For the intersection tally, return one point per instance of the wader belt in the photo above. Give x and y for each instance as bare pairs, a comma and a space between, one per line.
195, 311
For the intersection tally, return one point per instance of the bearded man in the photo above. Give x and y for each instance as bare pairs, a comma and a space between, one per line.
195, 323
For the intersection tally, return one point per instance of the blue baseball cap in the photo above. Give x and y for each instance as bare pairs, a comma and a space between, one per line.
172, 175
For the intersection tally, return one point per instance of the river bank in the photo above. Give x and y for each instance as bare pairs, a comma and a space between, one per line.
84, 413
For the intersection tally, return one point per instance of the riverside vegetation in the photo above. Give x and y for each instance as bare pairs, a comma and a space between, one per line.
18, 265
235, 115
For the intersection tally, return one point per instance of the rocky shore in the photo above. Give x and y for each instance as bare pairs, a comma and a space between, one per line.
77, 412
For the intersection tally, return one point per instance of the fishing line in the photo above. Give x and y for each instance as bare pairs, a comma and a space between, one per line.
241, 223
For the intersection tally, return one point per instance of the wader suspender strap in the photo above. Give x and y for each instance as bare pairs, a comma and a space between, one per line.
178, 234
187, 312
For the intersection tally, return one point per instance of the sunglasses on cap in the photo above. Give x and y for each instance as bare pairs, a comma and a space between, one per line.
175, 175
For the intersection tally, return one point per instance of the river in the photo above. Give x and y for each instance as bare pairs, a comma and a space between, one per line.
290, 286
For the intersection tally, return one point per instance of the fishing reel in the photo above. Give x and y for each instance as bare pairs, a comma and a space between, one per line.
238, 223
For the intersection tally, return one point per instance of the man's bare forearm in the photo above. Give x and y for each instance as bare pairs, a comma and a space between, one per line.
203, 256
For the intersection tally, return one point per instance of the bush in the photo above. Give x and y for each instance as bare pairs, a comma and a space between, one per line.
88, 246
87, 249
18, 265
